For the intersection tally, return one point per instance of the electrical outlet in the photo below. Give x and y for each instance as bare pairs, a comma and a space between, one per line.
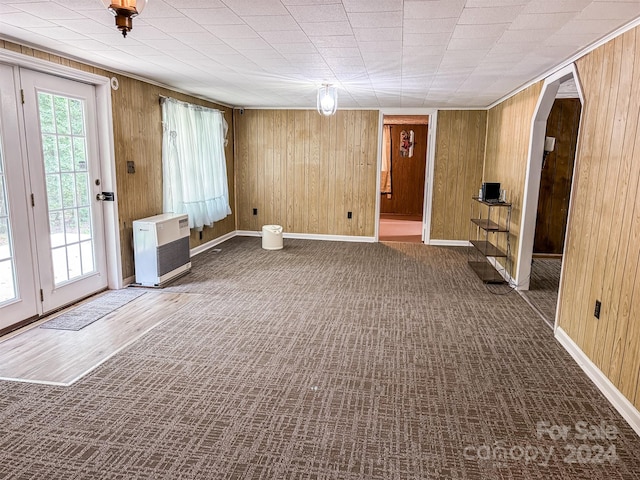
596, 311
349, 214
255, 211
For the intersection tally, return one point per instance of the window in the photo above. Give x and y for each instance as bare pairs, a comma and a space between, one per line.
194, 168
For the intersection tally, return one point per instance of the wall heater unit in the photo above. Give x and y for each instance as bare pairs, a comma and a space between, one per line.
161, 248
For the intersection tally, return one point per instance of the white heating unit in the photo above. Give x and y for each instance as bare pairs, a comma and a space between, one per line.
161, 248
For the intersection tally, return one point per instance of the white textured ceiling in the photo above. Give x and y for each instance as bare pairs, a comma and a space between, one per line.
274, 53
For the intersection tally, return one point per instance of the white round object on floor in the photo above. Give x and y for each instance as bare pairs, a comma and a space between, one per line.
272, 237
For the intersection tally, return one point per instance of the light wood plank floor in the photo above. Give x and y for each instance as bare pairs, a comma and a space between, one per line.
61, 357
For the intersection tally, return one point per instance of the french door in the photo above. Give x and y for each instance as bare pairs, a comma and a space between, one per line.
61, 178
17, 278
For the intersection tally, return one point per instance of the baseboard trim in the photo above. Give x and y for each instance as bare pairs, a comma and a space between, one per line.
247, 233
329, 238
449, 243
211, 243
128, 281
624, 407
312, 236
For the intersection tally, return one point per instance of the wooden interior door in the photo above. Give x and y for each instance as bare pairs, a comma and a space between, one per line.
407, 173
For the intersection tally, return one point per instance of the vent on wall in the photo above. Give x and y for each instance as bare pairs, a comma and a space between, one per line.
161, 249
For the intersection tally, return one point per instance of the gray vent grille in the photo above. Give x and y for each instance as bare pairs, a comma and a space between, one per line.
173, 255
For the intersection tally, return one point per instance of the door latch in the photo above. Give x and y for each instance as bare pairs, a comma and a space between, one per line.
105, 197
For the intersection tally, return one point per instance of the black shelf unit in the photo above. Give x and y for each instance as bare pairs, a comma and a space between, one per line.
490, 257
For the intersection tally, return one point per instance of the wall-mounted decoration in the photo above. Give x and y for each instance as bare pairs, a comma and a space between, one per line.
406, 143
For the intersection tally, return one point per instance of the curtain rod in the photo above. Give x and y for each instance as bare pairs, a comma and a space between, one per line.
162, 98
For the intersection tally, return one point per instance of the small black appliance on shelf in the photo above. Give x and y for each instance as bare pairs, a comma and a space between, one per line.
490, 192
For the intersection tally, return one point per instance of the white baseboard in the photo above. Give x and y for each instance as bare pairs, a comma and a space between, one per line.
311, 236
624, 407
211, 243
330, 238
449, 243
247, 233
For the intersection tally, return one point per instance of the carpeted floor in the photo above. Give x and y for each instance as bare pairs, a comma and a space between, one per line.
326, 360
543, 286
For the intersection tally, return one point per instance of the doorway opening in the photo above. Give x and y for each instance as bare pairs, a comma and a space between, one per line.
548, 191
403, 178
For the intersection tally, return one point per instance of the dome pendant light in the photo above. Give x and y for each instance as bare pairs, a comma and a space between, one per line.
327, 100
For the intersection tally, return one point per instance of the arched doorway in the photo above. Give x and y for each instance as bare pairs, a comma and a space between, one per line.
539, 149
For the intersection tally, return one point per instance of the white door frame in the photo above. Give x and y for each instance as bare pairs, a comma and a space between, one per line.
105, 146
432, 113
534, 170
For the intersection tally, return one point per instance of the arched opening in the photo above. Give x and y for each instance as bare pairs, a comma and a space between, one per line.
541, 148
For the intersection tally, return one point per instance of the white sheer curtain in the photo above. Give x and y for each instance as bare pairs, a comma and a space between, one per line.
194, 169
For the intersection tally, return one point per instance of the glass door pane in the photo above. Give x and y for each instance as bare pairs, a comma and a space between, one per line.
64, 151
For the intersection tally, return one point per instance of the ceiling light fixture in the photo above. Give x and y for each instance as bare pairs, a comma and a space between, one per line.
124, 11
327, 99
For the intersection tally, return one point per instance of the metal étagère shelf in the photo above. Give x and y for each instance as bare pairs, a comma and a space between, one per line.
490, 257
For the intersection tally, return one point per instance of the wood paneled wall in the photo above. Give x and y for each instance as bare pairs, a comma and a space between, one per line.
507, 151
137, 134
457, 172
137, 128
556, 177
305, 171
407, 173
602, 252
